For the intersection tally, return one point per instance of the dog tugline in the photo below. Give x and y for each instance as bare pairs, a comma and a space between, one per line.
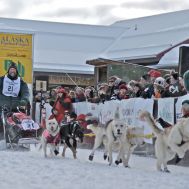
71, 132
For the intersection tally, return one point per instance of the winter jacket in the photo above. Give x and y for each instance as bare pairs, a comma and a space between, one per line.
61, 105
13, 102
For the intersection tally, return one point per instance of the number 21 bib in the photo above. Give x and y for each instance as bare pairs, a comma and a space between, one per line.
11, 87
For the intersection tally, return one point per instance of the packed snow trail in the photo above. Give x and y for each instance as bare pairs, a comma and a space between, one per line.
30, 170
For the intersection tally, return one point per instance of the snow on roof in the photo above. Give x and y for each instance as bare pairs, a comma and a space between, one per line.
157, 22
147, 44
66, 47
148, 36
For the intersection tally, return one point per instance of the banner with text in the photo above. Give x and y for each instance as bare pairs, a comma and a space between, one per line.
179, 105
167, 109
17, 48
129, 110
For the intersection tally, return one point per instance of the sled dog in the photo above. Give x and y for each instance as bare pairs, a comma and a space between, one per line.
71, 133
133, 138
114, 132
168, 141
51, 137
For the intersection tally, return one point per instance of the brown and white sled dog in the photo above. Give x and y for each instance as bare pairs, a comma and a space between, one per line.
51, 137
168, 141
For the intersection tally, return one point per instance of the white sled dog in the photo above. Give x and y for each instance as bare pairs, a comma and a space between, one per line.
169, 140
51, 137
134, 137
115, 133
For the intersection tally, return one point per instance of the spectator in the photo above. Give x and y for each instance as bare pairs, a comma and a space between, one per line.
52, 97
116, 83
138, 91
186, 80
72, 96
89, 93
150, 90
175, 88
159, 87
154, 74
80, 96
57, 114
103, 92
145, 81
130, 87
67, 89
122, 94
81, 120
62, 103
181, 82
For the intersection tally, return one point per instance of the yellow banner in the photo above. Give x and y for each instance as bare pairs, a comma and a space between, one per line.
16, 48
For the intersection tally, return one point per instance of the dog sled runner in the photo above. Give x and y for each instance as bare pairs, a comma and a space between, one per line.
19, 129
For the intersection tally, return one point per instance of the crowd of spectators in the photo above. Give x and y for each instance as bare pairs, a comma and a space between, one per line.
150, 85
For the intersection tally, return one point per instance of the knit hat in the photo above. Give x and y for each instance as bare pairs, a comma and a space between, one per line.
60, 90
146, 77
122, 86
13, 65
185, 102
168, 80
160, 81
154, 73
73, 115
175, 75
81, 117
112, 78
166, 76
186, 80
137, 84
102, 85
90, 119
66, 112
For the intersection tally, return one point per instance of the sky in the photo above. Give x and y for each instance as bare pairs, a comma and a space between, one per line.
97, 12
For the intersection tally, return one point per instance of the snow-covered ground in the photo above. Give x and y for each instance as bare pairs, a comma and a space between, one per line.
30, 170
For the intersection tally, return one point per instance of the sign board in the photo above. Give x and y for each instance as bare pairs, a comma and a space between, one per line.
16, 48
41, 85
71, 80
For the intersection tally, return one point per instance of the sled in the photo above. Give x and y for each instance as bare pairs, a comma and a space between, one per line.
19, 129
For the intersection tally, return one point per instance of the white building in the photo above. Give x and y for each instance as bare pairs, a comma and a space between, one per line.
62, 49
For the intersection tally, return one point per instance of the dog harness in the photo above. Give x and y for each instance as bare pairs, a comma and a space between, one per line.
115, 138
52, 139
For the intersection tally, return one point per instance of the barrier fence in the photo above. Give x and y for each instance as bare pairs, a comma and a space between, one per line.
167, 108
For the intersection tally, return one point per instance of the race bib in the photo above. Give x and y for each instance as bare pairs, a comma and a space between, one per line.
11, 87
28, 124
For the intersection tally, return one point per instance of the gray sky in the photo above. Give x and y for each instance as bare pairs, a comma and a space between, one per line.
95, 12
